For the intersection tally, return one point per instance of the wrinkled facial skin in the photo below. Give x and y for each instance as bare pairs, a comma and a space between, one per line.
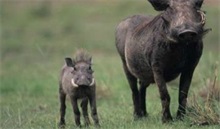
185, 19
82, 74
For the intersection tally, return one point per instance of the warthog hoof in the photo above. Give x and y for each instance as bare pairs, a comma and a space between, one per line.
167, 119
61, 125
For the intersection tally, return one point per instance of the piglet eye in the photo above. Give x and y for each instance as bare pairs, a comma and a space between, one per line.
90, 69
72, 71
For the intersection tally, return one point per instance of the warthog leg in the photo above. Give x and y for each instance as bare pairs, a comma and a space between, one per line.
62, 98
76, 111
135, 93
185, 81
164, 95
142, 91
94, 114
84, 106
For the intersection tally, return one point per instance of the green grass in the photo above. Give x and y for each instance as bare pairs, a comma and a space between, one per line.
35, 38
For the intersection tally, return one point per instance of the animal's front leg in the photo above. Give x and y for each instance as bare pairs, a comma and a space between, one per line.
92, 100
164, 95
185, 81
84, 106
76, 111
186, 77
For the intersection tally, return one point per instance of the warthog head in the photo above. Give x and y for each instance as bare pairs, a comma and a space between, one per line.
184, 19
82, 73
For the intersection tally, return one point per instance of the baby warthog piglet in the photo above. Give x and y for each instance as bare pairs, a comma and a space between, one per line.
77, 82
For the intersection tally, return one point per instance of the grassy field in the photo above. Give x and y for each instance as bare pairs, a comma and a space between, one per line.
37, 35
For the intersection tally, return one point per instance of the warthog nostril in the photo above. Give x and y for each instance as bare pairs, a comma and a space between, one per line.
187, 34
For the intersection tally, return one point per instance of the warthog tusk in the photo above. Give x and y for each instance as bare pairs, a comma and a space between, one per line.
93, 82
73, 83
202, 16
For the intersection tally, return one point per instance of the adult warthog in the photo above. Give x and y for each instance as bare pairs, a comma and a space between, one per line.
159, 49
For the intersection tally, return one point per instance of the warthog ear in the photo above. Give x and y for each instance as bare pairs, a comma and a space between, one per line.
89, 61
199, 3
159, 5
69, 62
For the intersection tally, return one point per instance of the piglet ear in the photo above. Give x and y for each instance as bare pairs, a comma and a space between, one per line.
159, 5
69, 62
90, 60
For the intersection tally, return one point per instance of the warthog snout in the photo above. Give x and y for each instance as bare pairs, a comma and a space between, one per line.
187, 34
83, 80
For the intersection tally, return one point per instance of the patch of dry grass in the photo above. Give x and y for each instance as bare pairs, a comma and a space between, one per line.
102, 92
204, 107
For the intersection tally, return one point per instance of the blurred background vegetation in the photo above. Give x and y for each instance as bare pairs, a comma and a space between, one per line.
36, 35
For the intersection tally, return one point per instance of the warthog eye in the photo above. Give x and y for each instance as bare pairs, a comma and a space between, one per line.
90, 69
74, 69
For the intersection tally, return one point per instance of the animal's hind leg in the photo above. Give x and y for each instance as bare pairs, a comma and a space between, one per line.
135, 93
62, 98
84, 106
142, 91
